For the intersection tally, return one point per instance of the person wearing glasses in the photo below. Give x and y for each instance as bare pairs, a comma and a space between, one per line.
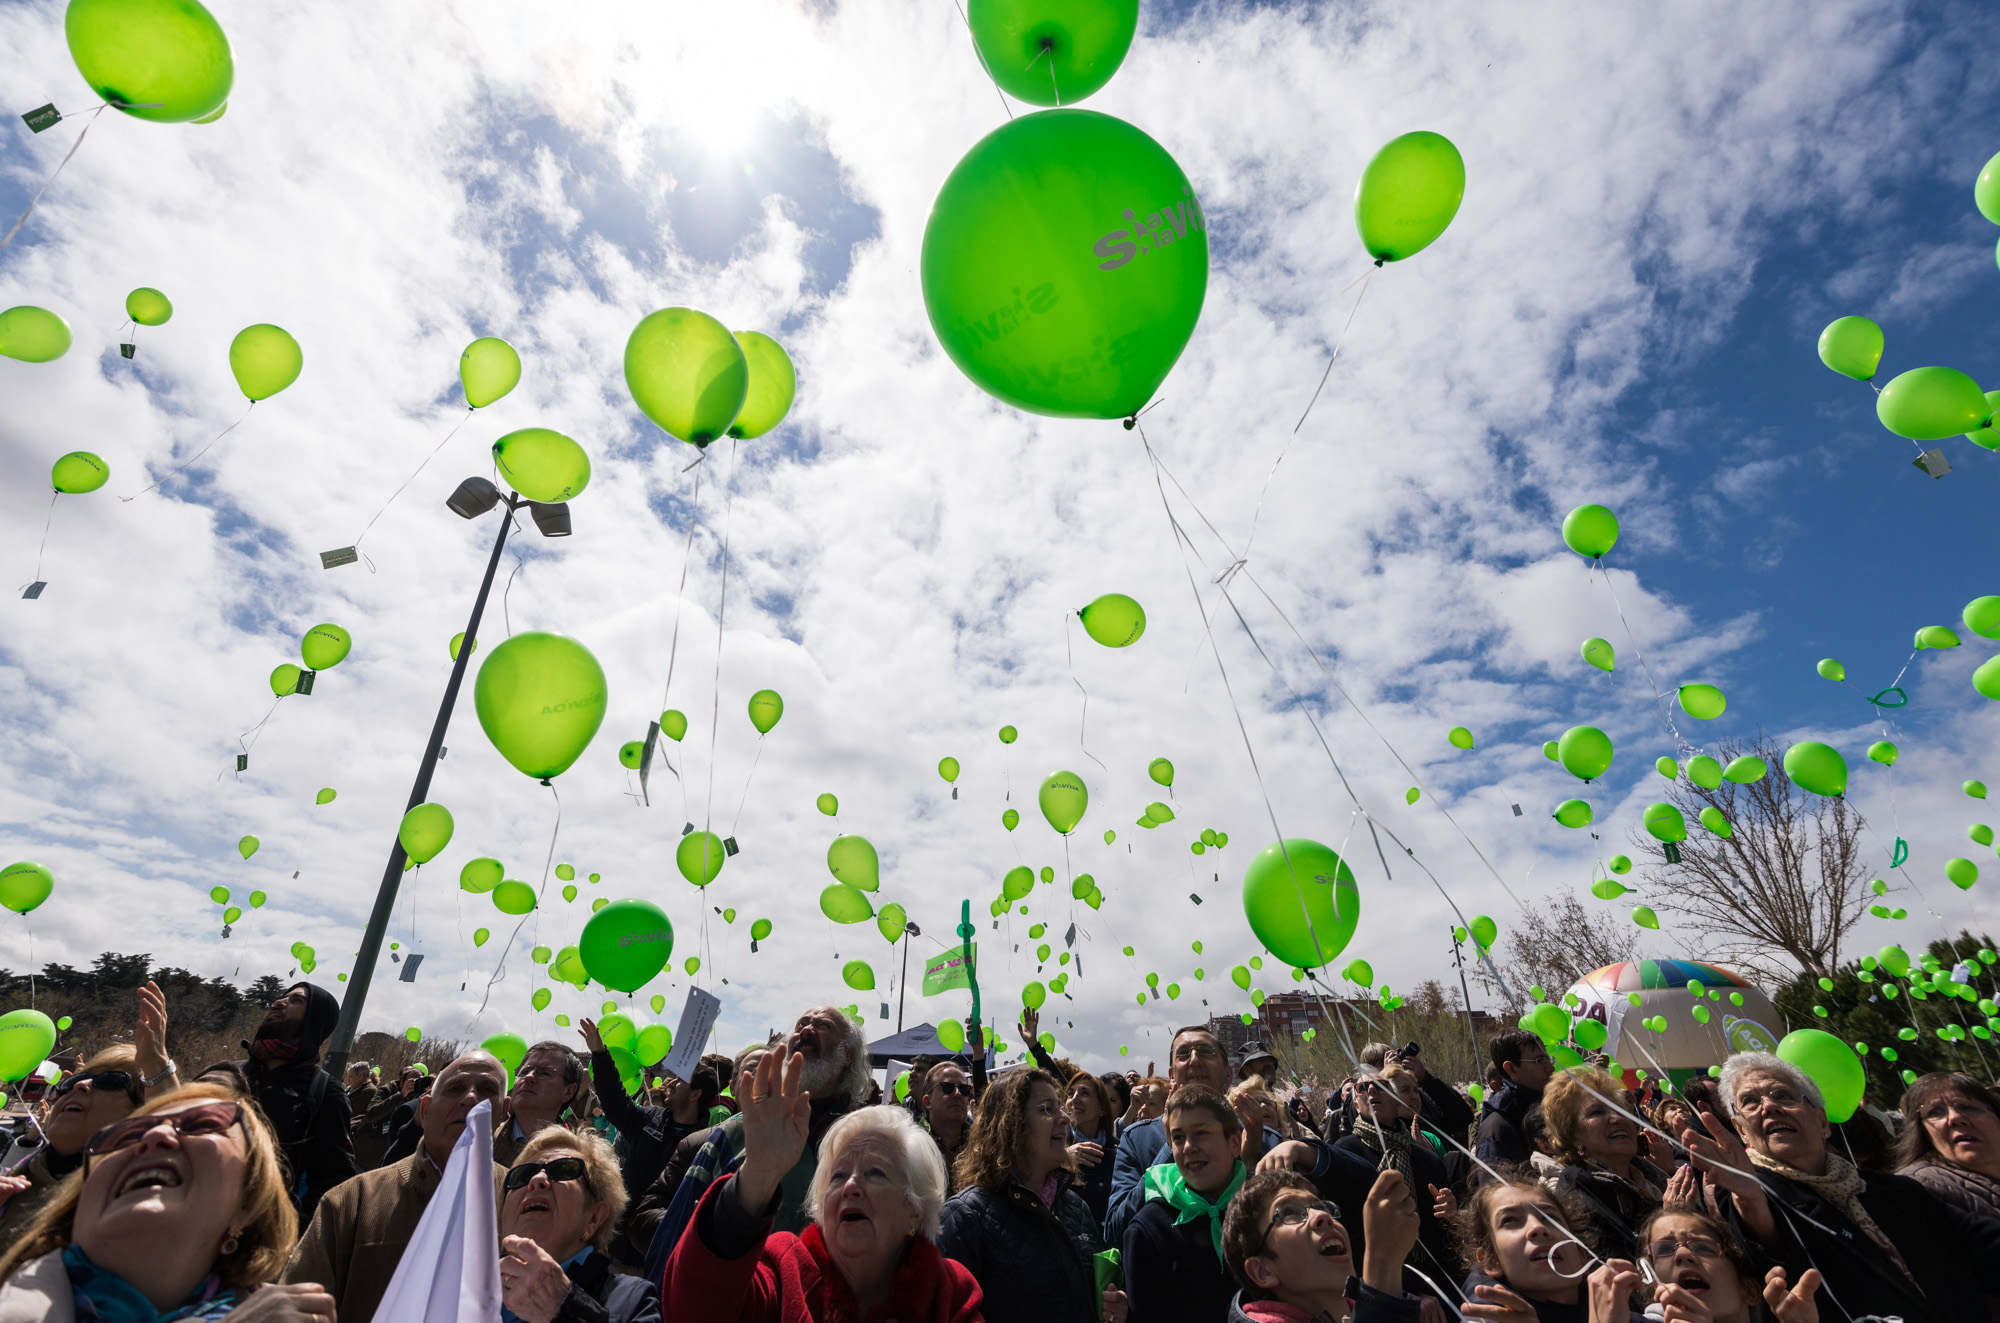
1884, 1244
558, 1205
548, 1083
181, 1212
1522, 1062
1700, 1273
947, 1111
1287, 1249
1951, 1141
107, 1089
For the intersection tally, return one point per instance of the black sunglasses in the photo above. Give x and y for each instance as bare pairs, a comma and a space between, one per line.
119, 1080
557, 1169
952, 1088
205, 1119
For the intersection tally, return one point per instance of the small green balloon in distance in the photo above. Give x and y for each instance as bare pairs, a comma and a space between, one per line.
1050, 53
1161, 771
512, 897
1590, 531
1986, 679
1936, 636
773, 385
220, 895
1817, 768
1831, 669
265, 359
1033, 995
1667, 767
1018, 882
540, 698
425, 831
327, 794
658, 1003
480, 935
487, 369
33, 335
148, 307
1643, 916
1159, 812
1893, 959
673, 724
1010, 819
481, 875
1116, 621
853, 860
1663, 822
1980, 833
1359, 971
63, 1024
540, 1001
1982, 616
859, 975
1961, 873
1573, 813
890, 921
285, 679
1976, 789
1008, 734
699, 857
1704, 771
458, 641
948, 769
766, 706
828, 804
542, 464
1702, 701
1606, 889
167, 61
1240, 975
1599, 653
247, 846
1552, 750
631, 753
1484, 931
1408, 194
1412, 795
78, 473
687, 373
569, 893
1882, 751
1931, 404
1746, 770
257, 899
1063, 799
1621, 864
760, 929
1585, 752
1110, 835
1852, 346
1713, 819
25, 885
845, 904
951, 1035
1459, 737
1082, 885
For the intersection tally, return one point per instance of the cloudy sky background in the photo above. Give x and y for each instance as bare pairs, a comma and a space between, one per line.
1662, 209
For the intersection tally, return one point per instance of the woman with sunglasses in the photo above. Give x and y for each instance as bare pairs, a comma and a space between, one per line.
105, 1090
560, 1201
180, 1213
1701, 1274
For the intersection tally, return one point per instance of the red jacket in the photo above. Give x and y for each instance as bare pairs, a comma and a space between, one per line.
791, 1280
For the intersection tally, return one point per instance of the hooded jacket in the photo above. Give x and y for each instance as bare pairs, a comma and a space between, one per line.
1501, 1138
306, 1108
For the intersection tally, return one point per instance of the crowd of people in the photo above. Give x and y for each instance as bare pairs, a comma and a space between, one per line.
781, 1186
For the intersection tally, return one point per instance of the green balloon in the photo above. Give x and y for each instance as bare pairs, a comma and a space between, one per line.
1852, 346
1407, 195
162, 60
1829, 1063
33, 335
1702, 701
1304, 914
220, 895
1590, 1035
854, 861
1881, 751
1010, 819
1893, 959
1484, 931
1020, 880
479, 936
1064, 799
1159, 813
631, 753
1114, 620
541, 464
766, 706
512, 1049
481, 875
1064, 264
1599, 653
79, 472
951, 1035
687, 373
1667, 767
674, 724
488, 369
26, 1039
760, 929
1161, 771
1976, 789
1935, 636
699, 856
25, 885
1052, 52
1980, 833
1816, 767
540, 1001
265, 360
232, 914
512, 897
859, 975
248, 846
1585, 752
257, 899
1621, 864
1573, 813
1712, 818
1745, 770
1550, 749
1961, 873
325, 646
540, 698
1831, 669
1663, 822
1704, 771
1931, 404
1008, 734
1987, 437
1987, 679
148, 307
1986, 190
1606, 889
890, 922
1549, 1021
626, 943
828, 804
1643, 916
948, 769
842, 905
425, 831
1982, 617
653, 1042
1458, 737
773, 384
1590, 530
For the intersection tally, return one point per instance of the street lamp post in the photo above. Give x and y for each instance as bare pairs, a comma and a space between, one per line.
903, 988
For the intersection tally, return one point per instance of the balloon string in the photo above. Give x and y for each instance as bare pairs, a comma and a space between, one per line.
1663, 706
58, 170
746, 787
1083, 721
198, 454
45, 538
506, 593
721, 605
1048, 51
982, 60
680, 594
499, 973
406, 482
257, 730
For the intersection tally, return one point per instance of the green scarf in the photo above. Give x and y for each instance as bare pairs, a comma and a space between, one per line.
1166, 1182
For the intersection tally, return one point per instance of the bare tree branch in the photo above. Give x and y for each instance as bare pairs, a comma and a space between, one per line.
1559, 940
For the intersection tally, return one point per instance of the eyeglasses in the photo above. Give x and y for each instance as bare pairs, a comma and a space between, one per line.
557, 1169
1700, 1246
203, 1119
1298, 1213
1757, 1102
952, 1088
1942, 1110
119, 1081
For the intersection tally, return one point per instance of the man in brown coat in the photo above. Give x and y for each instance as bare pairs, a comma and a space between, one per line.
361, 1227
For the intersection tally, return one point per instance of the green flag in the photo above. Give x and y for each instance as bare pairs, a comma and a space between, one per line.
948, 970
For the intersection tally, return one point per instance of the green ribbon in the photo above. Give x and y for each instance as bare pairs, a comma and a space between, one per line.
1165, 1182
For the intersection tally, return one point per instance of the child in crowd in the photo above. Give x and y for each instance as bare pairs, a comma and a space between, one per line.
1173, 1248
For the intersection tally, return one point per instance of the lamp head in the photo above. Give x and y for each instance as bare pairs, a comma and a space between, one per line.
474, 497
552, 519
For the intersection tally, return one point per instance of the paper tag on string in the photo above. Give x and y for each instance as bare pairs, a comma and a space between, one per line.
697, 1022
410, 968
1932, 462
127, 350
1196, 899
305, 684
729, 846
242, 762
687, 828
43, 117
33, 590
1672, 851
337, 557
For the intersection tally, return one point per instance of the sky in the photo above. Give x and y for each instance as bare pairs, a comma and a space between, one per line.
1661, 211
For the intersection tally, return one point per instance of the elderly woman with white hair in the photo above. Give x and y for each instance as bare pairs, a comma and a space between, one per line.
1883, 1244
559, 1203
869, 1249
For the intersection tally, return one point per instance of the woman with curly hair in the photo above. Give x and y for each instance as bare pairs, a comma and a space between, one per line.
1598, 1147
1016, 1222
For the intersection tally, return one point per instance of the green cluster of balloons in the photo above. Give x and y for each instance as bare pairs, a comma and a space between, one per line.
33, 335
698, 381
162, 60
540, 698
625, 944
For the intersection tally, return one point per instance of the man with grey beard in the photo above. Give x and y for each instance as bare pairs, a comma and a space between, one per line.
835, 1077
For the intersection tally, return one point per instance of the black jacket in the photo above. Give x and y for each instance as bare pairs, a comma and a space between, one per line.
1094, 1183
650, 1134
1432, 1253
1033, 1265
306, 1108
1171, 1271
1545, 1311
1500, 1116
599, 1295
1446, 1112
1616, 1208
1953, 1254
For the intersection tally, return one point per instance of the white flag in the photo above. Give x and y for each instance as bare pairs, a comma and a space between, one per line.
450, 1271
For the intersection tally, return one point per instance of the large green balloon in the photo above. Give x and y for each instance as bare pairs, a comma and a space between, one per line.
1064, 798
425, 831
687, 373
766, 706
512, 897
1408, 194
1987, 679
1590, 530
1988, 437
845, 904
78, 472
1982, 617
265, 360
1573, 813
1064, 264
699, 856
26, 1039
168, 59
325, 646
773, 384
488, 369
1664, 822
854, 861
33, 335
1052, 52
1852, 346
1829, 1063
1703, 701
1115, 620
1986, 190
542, 464
148, 307
1585, 752
285, 679
512, 1049
1600, 653
540, 699
1931, 404
1309, 934
25, 885
626, 943
1816, 767
481, 875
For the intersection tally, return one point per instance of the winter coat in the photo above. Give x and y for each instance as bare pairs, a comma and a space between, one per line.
1546, 1311
1171, 1272
1446, 1112
650, 1133
1432, 1252
649, 1206
1974, 1191
599, 1295
1370, 1306
1142, 1146
367, 1139
1501, 1140
1617, 1208
306, 1109
1034, 1264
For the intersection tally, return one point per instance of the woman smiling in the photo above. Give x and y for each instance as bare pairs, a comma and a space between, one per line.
106, 1089
1598, 1147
